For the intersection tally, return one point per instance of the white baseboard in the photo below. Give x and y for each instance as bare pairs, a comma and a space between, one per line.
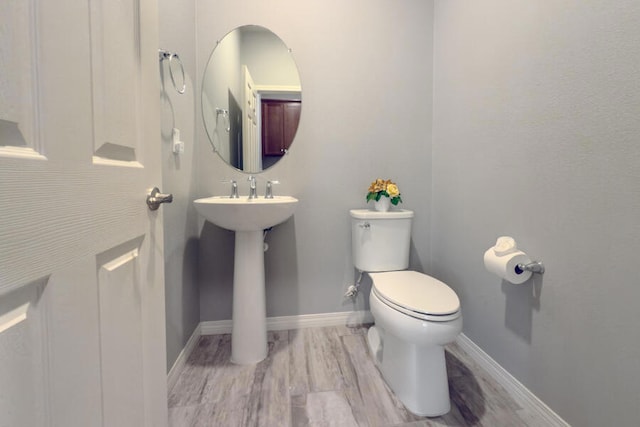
525, 398
178, 365
295, 322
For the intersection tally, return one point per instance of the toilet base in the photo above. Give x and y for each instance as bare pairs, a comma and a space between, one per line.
410, 355
422, 387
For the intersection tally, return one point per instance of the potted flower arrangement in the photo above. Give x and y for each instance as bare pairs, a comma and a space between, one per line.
383, 192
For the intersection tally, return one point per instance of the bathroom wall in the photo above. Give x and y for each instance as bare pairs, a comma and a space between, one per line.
178, 172
366, 113
536, 136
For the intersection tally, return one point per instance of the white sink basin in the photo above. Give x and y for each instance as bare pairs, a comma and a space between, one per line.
246, 214
248, 218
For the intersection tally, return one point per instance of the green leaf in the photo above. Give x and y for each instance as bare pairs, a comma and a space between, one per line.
396, 200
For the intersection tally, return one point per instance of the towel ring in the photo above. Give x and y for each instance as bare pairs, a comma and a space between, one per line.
164, 54
225, 115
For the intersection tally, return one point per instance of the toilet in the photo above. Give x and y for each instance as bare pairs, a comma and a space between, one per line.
415, 314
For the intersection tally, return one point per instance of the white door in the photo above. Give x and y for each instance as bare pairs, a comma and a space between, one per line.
251, 146
82, 331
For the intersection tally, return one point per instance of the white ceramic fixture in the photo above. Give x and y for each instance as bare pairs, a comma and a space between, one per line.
415, 315
243, 214
248, 218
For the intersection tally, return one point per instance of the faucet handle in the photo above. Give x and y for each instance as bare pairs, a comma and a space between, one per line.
269, 192
234, 188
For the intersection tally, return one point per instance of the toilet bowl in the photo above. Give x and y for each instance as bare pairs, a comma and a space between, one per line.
415, 315
407, 342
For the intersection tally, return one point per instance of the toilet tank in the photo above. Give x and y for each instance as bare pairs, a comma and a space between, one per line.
380, 240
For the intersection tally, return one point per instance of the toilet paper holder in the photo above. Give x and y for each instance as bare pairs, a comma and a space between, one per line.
533, 266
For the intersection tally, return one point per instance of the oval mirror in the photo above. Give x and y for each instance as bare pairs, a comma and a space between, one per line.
251, 98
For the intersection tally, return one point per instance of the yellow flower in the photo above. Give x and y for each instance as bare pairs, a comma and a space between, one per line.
376, 186
392, 189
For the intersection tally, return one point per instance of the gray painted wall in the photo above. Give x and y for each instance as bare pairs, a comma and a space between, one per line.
180, 226
366, 113
536, 136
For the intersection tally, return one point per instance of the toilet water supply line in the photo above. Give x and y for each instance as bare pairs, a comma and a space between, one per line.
352, 290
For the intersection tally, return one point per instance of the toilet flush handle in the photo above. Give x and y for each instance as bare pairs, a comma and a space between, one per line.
365, 225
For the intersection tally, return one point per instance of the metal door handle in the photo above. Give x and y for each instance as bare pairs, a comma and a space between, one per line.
155, 197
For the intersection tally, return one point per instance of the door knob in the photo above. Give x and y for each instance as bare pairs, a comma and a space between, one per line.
155, 197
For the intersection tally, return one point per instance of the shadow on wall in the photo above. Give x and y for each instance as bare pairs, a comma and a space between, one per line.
281, 270
521, 301
168, 118
190, 294
414, 262
215, 258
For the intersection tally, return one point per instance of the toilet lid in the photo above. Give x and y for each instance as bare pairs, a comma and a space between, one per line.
416, 292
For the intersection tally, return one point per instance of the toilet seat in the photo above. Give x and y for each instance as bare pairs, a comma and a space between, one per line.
416, 295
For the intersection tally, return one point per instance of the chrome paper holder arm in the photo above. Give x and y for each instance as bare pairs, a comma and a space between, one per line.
536, 267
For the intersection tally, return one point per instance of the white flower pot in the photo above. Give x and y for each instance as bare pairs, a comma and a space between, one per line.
382, 205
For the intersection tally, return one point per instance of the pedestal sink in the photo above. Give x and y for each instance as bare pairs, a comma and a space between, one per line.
248, 218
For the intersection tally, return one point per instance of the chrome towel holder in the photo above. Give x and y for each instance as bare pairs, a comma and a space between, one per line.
225, 115
170, 56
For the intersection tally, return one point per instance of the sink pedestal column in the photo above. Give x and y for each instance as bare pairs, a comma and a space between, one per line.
249, 334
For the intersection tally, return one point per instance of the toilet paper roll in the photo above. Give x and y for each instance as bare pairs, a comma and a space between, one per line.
505, 266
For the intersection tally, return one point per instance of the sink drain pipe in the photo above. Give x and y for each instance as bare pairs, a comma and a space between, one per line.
265, 245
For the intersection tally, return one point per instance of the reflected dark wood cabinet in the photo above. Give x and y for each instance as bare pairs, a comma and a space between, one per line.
279, 124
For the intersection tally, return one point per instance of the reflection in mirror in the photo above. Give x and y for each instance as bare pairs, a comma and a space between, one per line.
251, 98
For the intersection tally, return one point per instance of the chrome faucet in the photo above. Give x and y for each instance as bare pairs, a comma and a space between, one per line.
234, 188
253, 194
269, 192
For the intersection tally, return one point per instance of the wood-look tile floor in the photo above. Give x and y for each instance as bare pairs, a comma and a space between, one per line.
323, 377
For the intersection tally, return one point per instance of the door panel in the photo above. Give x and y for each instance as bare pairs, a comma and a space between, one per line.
22, 348
79, 250
17, 120
120, 293
115, 38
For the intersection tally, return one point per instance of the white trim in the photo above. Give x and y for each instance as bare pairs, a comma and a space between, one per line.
97, 160
215, 327
13, 317
20, 153
178, 365
279, 88
523, 396
295, 322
